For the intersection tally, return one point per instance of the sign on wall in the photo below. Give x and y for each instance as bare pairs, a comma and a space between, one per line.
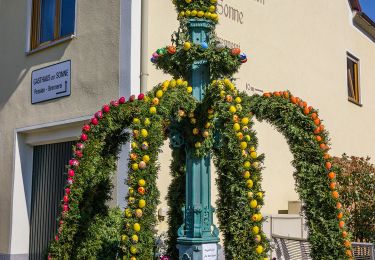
51, 82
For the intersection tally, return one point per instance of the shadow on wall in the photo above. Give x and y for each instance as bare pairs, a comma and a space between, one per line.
15, 65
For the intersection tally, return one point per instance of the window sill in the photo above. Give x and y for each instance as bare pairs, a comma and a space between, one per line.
50, 44
355, 102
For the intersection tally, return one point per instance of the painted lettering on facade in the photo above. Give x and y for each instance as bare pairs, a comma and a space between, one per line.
228, 43
250, 88
230, 12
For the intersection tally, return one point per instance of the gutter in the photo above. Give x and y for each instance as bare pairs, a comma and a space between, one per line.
144, 46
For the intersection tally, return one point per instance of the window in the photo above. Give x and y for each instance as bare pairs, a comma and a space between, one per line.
353, 79
51, 20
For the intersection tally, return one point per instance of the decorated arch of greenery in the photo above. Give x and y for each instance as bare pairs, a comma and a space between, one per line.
222, 125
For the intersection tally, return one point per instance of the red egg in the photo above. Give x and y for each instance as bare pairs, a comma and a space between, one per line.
122, 100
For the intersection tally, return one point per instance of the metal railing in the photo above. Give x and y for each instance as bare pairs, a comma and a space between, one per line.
363, 251
291, 248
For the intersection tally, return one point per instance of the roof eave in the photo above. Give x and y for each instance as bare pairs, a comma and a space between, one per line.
365, 24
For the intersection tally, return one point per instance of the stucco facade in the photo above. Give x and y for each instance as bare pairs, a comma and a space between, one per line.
94, 55
297, 45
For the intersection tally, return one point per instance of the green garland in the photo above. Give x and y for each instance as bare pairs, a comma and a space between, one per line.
239, 176
315, 176
89, 186
178, 61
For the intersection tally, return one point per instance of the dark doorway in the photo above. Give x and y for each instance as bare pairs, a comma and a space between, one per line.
49, 168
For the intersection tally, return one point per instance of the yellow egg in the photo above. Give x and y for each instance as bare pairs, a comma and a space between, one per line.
138, 213
255, 230
238, 100
153, 110
172, 83
142, 204
243, 145
247, 164
212, 8
135, 166
182, 14
146, 158
249, 184
236, 127
179, 82
260, 194
253, 204
159, 93
213, 1
200, 14
252, 149
232, 109
128, 213
246, 174
207, 15
194, 13
131, 258
253, 155
187, 13
142, 182
259, 249
136, 121
133, 250
166, 83
214, 17
259, 217
135, 239
136, 227
144, 133
245, 121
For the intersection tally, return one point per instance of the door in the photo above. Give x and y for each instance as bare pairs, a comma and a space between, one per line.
49, 168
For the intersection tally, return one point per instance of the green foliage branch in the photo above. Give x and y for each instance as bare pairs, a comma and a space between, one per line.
356, 180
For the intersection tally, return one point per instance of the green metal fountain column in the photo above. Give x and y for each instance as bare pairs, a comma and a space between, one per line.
198, 237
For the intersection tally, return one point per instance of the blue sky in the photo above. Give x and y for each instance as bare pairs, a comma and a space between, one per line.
368, 7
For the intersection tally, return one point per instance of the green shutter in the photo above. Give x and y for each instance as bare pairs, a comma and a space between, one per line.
49, 168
